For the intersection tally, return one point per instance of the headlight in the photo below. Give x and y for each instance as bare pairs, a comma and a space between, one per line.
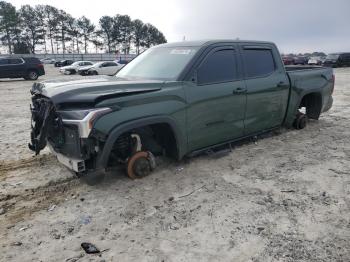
84, 119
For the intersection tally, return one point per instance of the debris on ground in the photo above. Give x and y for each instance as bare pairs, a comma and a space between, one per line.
86, 220
179, 169
17, 243
51, 208
90, 248
24, 228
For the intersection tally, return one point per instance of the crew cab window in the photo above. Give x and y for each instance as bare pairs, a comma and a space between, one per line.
258, 62
15, 61
220, 66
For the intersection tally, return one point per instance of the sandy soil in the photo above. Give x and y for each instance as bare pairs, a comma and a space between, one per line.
285, 197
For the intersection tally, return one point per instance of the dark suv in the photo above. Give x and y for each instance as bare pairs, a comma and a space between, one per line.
30, 68
63, 63
337, 60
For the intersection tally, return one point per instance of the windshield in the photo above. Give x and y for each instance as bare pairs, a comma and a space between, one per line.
332, 56
160, 63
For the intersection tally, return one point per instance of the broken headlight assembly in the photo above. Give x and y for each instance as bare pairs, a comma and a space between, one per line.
84, 119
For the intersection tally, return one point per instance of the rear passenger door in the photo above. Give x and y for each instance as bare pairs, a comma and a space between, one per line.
216, 99
267, 87
17, 67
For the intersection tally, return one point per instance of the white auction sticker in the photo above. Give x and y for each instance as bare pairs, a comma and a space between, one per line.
180, 51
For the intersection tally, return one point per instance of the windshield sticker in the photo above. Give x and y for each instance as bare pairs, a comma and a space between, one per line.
180, 51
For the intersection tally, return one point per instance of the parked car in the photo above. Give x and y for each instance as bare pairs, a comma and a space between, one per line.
199, 96
48, 61
288, 60
84, 69
73, 68
337, 60
63, 63
30, 68
122, 62
315, 60
300, 60
103, 68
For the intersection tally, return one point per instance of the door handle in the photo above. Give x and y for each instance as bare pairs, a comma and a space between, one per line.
238, 90
281, 84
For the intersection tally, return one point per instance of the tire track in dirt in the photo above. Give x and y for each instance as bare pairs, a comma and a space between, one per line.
24, 204
7, 166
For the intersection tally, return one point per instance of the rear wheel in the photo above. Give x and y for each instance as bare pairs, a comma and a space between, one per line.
300, 121
94, 73
32, 75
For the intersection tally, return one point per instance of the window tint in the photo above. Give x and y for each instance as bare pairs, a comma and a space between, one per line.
217, 67
111, 64
3, 61
258, 62
15, 61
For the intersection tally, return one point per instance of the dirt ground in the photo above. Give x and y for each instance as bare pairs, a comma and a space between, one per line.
285, 197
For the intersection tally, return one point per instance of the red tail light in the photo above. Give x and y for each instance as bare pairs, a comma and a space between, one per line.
40, 65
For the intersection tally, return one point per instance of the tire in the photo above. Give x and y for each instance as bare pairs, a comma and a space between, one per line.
94, 73
32, 75
300, 121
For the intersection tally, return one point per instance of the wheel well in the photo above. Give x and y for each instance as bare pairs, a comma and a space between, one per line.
32, 69
157, 138
313, 104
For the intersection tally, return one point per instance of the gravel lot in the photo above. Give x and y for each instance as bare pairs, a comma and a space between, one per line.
285, 197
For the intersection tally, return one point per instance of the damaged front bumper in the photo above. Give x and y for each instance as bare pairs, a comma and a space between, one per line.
68, 139
77, 165
42, 111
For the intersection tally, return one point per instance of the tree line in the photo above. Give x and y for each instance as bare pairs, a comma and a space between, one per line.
54, 30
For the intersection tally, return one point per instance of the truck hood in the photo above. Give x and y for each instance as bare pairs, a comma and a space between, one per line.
93, 90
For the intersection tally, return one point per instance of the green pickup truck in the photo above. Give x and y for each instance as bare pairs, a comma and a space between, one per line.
176, 100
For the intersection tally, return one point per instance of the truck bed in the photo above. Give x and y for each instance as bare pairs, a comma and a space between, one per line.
300, 67
307, 80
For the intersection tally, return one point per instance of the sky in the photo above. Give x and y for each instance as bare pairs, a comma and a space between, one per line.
294, 25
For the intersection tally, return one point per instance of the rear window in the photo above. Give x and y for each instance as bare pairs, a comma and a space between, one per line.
332, 56
15, 61
220, 66
32, 60
258, 62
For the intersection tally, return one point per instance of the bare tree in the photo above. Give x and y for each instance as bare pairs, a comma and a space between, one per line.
9, 21
106, 29
33, 31
86, 30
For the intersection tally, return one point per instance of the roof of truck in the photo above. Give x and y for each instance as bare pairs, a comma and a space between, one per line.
210, 42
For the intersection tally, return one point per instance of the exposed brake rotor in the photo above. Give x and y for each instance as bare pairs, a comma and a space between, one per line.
140, 164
